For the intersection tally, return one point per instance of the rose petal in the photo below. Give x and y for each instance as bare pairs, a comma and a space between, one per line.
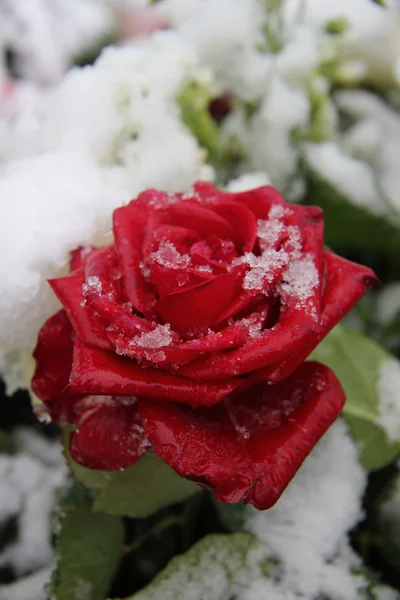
241, 219
183, 353
249, 447
192, 215
88, 326
95, 372
53, 355
110, 436
345, 283
260, 201
201, 306
129, 229
272, 345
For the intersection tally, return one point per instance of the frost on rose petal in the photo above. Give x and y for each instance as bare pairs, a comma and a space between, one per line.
307, 530
388, 387
93, 284
300, 279
159, 337
168, 256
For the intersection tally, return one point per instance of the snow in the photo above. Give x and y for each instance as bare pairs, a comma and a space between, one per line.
28, 588
351, 177
27, 487
45, 36
388, 303
168, 256
93, 284
300, 279
248, 181
159, 337
77, 152
226, 34
373, 34
306, 531
269, 139
388, 388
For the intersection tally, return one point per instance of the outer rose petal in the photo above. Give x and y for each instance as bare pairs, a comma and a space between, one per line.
87, 324
129, 230
53, 354
249, 447
345, 283
110, 436
99, 373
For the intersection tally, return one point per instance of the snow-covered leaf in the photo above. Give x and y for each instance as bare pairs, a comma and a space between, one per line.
356, 215
215, 568
138, 491
88, 550
371, 379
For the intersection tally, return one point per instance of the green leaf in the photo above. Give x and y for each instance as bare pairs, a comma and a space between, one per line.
231, 515
7, 443
213, 569
88, 550
138, 491
348, 225
356, 360
143, 489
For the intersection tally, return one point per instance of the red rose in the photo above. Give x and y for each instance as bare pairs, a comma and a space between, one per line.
189, 334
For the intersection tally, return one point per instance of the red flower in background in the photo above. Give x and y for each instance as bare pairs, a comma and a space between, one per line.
189, 334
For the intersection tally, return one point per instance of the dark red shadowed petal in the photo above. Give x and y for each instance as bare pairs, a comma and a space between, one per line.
201, 305
78, 257
95, 372
242, 220
129, 224
249, 447
88, 326
53, 355
110, 436
345, 283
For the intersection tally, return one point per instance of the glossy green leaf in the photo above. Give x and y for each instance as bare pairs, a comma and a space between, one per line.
88, 550
138, 491
143, 489
213, 569
356, 360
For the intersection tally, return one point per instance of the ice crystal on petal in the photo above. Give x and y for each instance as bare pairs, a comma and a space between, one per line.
300, 278
276, 212
269, 232
168, 256
159, 337
93, 284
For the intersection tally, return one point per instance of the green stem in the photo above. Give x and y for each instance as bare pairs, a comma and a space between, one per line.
169, 521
